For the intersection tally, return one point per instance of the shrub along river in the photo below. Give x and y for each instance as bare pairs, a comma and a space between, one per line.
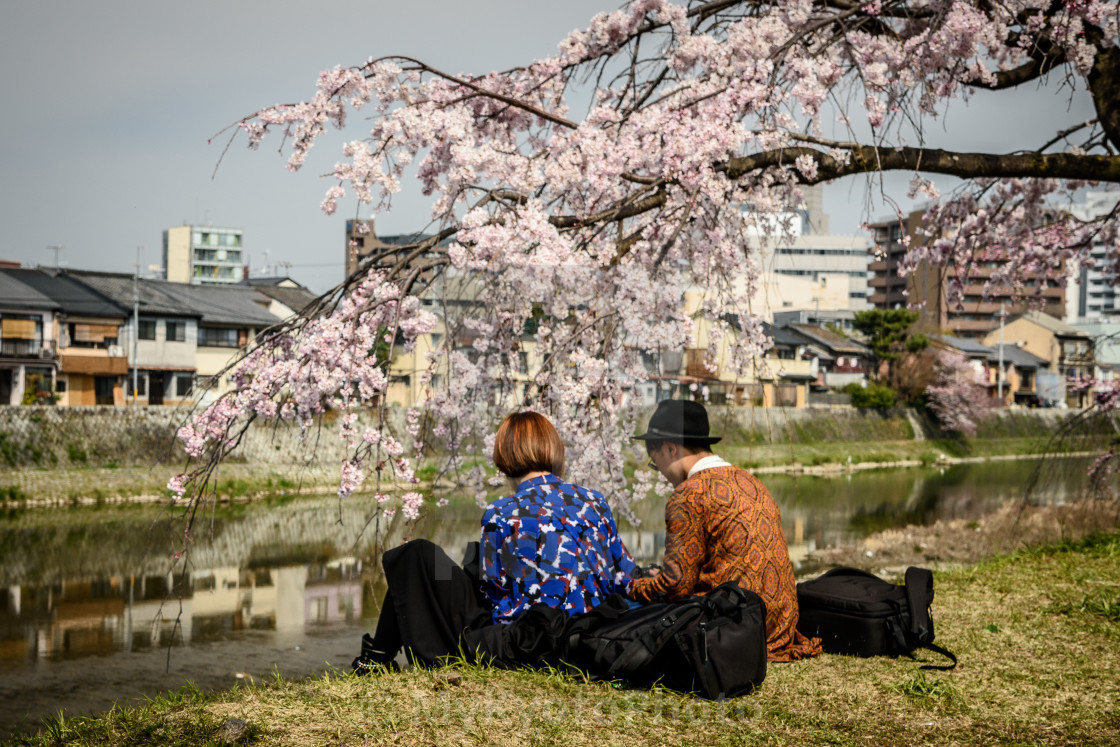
90, 614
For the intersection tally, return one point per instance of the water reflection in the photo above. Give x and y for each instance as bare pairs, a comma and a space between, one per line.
90, 602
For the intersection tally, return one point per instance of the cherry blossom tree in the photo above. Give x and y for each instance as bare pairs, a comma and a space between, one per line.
588, 190
958, 397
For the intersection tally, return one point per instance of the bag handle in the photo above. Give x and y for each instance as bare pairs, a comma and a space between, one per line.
919, 595
843, 570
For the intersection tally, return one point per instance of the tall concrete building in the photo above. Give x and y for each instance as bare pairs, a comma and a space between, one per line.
1091, 298
825, 261
360, 241
203, 255
926, 289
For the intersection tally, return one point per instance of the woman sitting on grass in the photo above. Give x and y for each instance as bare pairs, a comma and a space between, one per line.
549, 542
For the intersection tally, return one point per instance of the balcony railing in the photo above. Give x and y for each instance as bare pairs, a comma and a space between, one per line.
19, 348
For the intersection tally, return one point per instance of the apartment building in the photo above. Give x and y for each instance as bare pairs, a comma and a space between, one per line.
926, 289
1093, 298
203, 255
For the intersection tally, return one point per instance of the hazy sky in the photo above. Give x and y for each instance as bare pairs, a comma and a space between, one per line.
108, 106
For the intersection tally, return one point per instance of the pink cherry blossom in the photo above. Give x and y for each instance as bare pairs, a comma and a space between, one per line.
577, 199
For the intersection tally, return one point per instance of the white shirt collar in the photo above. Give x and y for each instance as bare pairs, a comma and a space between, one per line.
708, 462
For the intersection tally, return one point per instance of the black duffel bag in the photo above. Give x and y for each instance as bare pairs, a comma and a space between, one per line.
712, 645
857, 613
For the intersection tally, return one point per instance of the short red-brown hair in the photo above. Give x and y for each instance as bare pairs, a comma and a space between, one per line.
527, 442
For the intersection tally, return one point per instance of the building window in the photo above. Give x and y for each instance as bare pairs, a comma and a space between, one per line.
21, 327
176, 331
91, 335
216, 337
182, 385
147, 329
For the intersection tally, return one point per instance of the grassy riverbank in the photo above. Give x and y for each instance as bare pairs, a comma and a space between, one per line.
1037, 633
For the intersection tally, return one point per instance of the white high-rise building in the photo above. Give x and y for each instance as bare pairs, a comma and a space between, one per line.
1089, 296
821, 259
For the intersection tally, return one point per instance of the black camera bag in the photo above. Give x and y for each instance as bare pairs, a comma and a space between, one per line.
713, 645
857, 613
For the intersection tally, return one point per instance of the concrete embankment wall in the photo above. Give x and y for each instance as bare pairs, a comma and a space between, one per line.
45, 437
64, 437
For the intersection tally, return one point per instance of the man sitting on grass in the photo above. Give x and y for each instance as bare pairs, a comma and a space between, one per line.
721, 524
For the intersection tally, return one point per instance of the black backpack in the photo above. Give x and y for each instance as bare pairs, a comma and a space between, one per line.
713, 645
855, 612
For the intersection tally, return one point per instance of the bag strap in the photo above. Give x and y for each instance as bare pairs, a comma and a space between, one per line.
641, 650
706, 672
944, 652
919, 594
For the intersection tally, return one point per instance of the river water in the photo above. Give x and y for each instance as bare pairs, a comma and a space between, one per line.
91, 615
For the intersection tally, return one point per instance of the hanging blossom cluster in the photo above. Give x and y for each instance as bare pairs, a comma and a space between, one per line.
338, 362
1014, 238
567, 246
959, 395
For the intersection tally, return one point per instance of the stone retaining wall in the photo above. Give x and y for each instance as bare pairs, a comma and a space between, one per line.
105, 436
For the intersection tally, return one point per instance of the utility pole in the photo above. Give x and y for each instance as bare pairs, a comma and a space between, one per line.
136, 327
999, 375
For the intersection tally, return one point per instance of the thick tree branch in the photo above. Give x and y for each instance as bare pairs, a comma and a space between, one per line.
867, 158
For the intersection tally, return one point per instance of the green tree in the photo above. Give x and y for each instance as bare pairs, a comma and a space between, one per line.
876, 396
887, 333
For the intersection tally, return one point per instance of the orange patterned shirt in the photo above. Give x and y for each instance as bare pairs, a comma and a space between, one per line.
723, 525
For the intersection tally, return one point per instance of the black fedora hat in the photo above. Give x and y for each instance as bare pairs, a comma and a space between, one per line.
679, 420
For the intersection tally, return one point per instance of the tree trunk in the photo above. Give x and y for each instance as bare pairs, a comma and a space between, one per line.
1104, 83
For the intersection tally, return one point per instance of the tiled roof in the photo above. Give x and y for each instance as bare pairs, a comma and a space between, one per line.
782, 335
270, 280
17, 295
213, 304
154, 300
965, 345
829, 339
224, 304
294, 298
1017, 357
73, 297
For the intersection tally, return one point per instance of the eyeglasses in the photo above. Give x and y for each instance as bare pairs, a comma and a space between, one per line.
651, 464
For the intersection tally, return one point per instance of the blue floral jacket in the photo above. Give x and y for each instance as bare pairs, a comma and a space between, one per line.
551, 542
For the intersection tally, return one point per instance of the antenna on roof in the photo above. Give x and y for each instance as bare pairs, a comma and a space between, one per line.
56, 248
